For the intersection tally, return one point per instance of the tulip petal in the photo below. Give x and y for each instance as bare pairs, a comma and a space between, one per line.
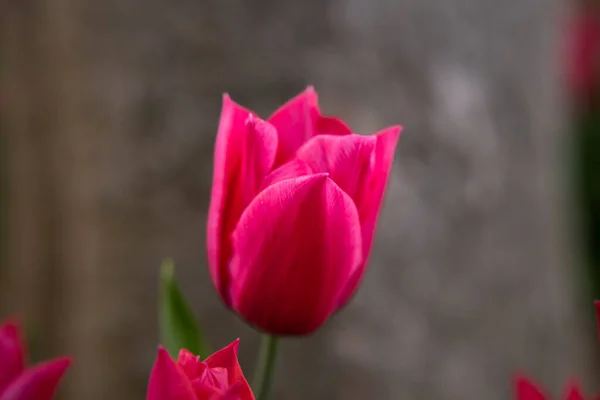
37, 383
245, 151
331, 126
294, 248
300, 119
292, 169
349, 160
597, 307
204, 391
11, 354
227, 358
370, 205
189, 363
573, 392
168, 381
237, 392
526, 390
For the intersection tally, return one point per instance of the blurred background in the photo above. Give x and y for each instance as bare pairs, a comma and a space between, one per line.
487, 255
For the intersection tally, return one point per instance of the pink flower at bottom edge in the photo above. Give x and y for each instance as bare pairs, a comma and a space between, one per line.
18, 382
525, 389
219, 377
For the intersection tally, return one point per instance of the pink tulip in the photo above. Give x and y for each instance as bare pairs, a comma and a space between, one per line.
294, 205
219, 377
20, 383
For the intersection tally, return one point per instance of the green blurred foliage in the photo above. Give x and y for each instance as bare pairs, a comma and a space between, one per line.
587, 160
178, 328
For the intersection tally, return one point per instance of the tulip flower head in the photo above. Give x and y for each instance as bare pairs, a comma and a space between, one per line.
219, 377
294, 204
18, 382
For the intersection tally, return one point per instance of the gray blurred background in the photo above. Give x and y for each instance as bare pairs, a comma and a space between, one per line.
108, 117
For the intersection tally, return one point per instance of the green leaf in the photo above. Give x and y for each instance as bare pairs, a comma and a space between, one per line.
178, 328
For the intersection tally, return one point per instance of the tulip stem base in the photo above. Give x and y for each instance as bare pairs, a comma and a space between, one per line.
265, 369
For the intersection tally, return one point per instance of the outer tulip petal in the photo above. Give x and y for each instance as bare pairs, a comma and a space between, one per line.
245, 151
11, 354
370, 205
526, 390
294, 248
204, 391
168, 381
227, 358
299, 120
38, 383
237, 392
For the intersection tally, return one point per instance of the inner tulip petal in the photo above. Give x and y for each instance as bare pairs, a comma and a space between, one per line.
11, 354
300, 119
295, 247
292, 169
349, 160
244, 154
227, 359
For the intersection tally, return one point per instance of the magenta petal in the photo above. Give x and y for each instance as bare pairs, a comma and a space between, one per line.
294, 248
349, 160
168, 381
245, 151
573, 392
11, 354
189, 363
370, 204
331, 126
526, 390
37, 383
597, 307
204, 391
292, 169
227, 358
236, 392
300, 119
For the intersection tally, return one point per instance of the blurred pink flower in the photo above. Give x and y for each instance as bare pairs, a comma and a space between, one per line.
18, 382
526, 390
583, 50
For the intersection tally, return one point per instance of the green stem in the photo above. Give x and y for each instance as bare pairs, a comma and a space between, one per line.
263, 375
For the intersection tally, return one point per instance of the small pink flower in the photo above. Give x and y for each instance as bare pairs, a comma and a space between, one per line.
18, 382
527, 390
219, 377
294, 204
